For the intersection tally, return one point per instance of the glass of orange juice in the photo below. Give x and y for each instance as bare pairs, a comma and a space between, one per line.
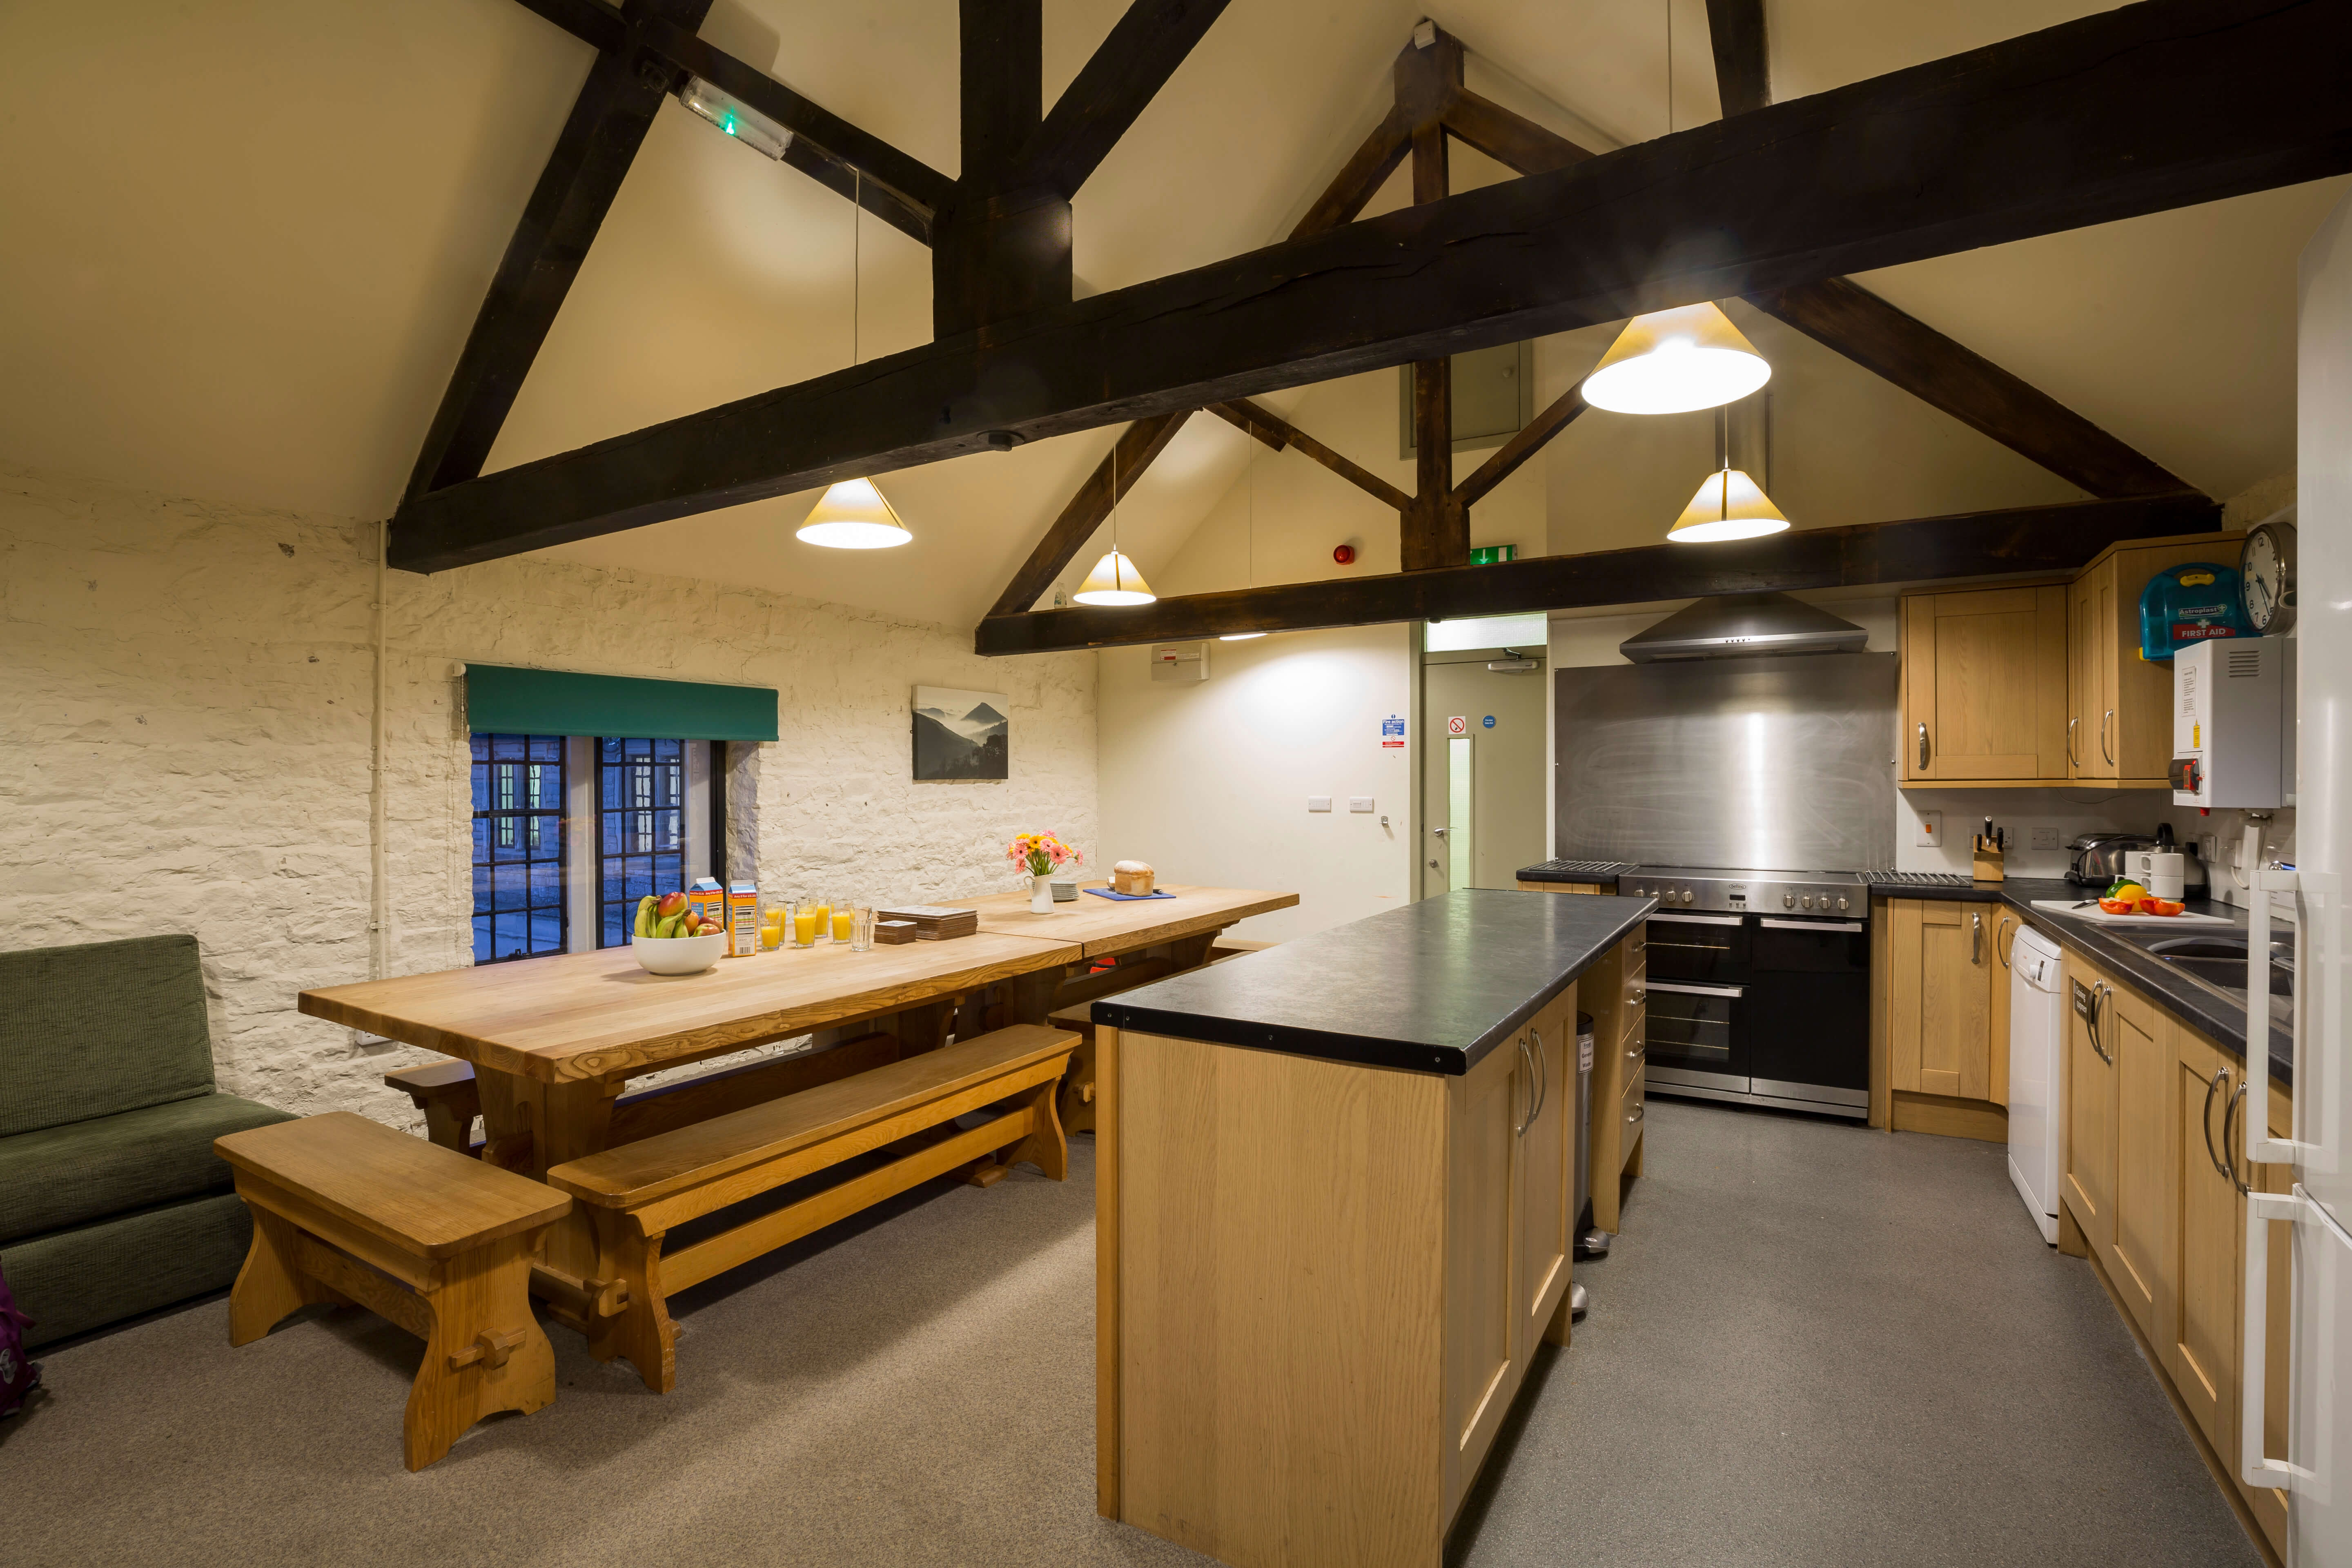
774, 921
823, 908
844, 920
804, 925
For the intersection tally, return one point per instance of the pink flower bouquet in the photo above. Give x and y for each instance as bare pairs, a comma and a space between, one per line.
1040, 854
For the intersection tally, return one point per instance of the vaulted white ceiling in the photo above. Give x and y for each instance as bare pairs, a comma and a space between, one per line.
243, 245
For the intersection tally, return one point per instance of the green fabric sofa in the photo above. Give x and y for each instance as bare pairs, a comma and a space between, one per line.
111, 1200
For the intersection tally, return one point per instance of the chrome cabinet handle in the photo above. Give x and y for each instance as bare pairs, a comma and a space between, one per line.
2006, 922
1976, 937
2098, 995
1522, 1130
2072, 725
2105, 749
2205, 1122
1633, 1116
1923, 745
2230, 1114
1639, 995
1543, 1077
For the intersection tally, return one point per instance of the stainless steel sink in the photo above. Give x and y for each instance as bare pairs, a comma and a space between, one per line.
2221, 961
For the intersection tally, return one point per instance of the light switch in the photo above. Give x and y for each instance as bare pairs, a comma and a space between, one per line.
1359, 803
1318, 802
1931, 830
2045, 838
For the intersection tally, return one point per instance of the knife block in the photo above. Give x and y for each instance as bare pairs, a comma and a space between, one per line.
1986, 860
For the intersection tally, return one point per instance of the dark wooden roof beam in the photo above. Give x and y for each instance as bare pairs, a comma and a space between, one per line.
1111, 91
2158, 105
1275, 431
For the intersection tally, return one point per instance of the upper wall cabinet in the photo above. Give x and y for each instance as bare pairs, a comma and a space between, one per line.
2043, 685
1984, 687
2119, 705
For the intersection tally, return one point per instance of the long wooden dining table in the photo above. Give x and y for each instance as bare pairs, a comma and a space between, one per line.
554, 1041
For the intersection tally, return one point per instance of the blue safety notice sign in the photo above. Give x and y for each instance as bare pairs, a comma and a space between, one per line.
1392, 734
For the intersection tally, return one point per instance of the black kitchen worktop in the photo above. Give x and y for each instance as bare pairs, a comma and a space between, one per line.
1429, 987
2218, 1017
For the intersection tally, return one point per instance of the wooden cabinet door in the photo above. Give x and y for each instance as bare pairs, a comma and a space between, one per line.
2143, 1266
1483, 1364
1545, 1150
2081, 697
2104, 657
1996, 978
1938, 999
1984, 684
2202, 1349
2090, 1183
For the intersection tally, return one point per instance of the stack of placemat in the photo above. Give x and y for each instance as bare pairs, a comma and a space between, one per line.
891, 933
933, 922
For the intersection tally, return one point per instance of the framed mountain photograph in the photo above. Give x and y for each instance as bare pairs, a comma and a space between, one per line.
960, 734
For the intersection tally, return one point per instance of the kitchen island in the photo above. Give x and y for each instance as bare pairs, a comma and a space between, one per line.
1333, 1223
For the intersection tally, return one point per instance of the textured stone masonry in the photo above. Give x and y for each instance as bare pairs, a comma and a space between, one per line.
185, 746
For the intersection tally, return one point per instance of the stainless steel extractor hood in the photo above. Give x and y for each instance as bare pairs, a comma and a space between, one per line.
1737, 626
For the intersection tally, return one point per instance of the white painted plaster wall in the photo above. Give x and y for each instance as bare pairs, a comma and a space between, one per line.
1209, 781
185, 690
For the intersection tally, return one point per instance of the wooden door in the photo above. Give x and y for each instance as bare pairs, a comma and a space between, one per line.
2202, 1349
1996, 981
1938, 1000
1984, 684
1544, 1195
2082, 700
2090, 1184
2144, 1266
1482, 1337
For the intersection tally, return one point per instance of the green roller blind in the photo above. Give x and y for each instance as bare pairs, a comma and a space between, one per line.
559, 702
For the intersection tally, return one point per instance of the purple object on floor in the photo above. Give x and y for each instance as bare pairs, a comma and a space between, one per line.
18, 1377
1127, 897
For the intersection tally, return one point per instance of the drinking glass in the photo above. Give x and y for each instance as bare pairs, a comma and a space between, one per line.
844, 918
775, 920
823, 908
805, 923
861, 928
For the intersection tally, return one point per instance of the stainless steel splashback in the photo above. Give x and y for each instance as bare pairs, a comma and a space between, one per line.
1783, 764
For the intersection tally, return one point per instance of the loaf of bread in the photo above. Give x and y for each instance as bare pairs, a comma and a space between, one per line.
1131, 877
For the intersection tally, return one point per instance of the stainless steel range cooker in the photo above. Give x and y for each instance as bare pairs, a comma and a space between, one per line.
1759, 987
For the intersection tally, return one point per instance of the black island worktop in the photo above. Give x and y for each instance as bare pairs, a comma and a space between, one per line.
1431, 986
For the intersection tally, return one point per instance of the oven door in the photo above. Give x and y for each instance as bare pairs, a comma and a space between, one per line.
1695, 1034
1698, 947
1808, 1020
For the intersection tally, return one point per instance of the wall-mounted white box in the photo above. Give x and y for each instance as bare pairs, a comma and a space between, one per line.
1359, 803
1179, 661
1318, 802
2233, 724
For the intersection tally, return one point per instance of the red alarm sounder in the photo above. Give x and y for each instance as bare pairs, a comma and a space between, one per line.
1345, 555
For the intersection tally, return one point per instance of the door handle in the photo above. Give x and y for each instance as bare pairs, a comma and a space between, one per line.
2257, 1467
1633, 1115
1734, 991
1522, 1130
2319, 940
1976, 937
1543, 1076
2091, 1021
1638, 995
2006, 922
2107, 748
2072, 725
2230, 1114
2205, 1122
1438, 831
1923, 745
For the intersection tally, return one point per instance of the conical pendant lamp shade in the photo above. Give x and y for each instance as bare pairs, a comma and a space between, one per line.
1727, 506
1114, 581
852, 515
1671, 362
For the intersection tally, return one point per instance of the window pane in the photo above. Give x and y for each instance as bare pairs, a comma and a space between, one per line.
519, 847
641, 830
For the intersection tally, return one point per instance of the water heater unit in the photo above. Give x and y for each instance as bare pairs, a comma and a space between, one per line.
2233, 724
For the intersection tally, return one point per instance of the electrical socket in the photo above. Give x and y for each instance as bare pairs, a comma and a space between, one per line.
2045, 838
1931, 830
1318, 802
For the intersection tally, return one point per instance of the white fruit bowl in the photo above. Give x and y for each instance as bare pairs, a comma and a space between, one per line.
678, 955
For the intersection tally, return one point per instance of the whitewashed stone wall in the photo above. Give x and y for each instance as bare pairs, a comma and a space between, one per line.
185, 693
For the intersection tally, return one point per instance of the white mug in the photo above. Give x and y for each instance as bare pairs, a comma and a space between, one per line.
2161, 872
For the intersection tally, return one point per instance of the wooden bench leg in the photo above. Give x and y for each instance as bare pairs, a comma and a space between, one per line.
641, 1329
271, 1284
484, 1352
1044, 1146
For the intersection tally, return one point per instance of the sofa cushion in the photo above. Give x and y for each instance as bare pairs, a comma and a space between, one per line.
92, 1030
71, 1281
87, 1171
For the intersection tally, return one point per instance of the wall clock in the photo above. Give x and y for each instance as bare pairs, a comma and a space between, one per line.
2266, 577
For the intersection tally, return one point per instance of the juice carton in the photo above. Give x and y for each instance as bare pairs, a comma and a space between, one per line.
709, 899
742, 918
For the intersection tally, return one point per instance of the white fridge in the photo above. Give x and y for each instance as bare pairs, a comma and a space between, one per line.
2315, 1469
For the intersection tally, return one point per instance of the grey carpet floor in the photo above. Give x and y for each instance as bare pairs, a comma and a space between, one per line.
1813, 1345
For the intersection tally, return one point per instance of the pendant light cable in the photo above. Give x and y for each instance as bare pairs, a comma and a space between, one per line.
1670, 66
856, 239
1118, 561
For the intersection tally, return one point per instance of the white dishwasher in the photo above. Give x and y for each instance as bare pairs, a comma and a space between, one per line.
2037, 1074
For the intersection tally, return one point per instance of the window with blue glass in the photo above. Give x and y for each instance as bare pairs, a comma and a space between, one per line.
518, 861
641, 829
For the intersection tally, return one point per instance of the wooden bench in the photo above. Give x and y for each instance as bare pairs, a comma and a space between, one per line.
451, 1100
348, 1211
638, 1192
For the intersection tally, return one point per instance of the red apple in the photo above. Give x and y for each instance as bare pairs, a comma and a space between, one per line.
671, 904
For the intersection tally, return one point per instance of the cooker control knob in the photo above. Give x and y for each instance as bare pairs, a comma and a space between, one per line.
1788, 901
1841, 904
1807, 901
1687, 895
